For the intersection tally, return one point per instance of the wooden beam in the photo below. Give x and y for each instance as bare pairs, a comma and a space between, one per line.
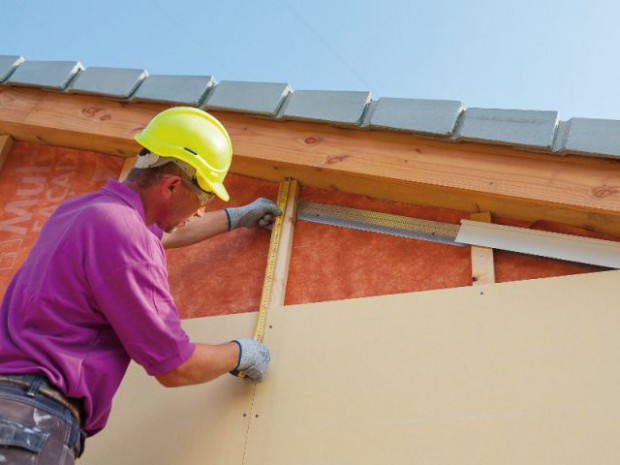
6, 142
88, 123
127, 167
605, 220
280, 278
576, 190
482, 264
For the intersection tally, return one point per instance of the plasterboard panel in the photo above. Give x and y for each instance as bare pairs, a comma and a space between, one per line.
522, 372
542, 243
154, 425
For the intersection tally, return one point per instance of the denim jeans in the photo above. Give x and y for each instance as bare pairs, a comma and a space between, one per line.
35, 429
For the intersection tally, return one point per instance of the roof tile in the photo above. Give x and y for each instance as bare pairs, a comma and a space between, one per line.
186, 90
535, 129
111, 82
46, 74
437, 117
513, 127
340, 107
262, 98
591, 137
8, 63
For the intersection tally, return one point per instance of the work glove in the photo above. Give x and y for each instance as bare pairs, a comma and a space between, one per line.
253, 359
261, 212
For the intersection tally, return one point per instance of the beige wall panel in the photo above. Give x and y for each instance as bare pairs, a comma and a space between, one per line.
522, 372
152, 425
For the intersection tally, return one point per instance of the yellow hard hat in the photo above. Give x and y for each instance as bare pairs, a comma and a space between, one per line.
194, 137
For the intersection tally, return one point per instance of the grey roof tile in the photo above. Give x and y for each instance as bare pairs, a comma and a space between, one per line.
591, 137
437, 117
46, 74
341, 107
560, 136
262, 98
187, 90
534, 129
8, 63
368, 112
111, 82
514, 127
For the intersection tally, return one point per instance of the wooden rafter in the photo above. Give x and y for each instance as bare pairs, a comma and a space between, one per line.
482, 261
278, 292
6, 142
574, 190
127, 167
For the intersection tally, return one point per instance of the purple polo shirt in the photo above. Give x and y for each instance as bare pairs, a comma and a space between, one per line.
92, 295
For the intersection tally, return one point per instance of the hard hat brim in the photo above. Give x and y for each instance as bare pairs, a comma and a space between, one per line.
219, 190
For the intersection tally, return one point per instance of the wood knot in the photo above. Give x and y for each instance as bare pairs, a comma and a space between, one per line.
313, 140
6, 98
96, 112
336, 159
601, 192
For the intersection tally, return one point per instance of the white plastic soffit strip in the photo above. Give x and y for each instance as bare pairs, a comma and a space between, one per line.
546, 244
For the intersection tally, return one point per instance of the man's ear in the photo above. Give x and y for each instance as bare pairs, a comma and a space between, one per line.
170, 184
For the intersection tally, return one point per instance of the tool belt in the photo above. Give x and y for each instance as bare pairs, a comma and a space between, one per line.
74, 406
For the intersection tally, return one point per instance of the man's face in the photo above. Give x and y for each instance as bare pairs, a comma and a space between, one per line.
183, 205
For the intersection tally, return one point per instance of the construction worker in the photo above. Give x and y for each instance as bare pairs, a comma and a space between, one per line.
93, 293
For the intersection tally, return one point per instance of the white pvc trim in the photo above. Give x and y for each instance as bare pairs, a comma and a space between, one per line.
543, 243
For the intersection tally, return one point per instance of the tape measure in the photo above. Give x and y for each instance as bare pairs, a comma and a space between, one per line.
274, 247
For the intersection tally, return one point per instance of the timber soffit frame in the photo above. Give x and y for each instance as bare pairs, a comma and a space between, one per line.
519, 164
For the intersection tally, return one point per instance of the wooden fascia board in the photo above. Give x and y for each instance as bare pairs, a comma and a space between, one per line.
386, 165
87, 123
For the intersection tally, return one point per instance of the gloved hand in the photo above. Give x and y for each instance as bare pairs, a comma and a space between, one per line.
261, 212
253, 358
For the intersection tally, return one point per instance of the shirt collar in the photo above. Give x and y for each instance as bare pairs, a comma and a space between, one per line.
126, 194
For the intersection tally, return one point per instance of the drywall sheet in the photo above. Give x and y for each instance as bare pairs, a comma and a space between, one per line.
521, 372
153, 425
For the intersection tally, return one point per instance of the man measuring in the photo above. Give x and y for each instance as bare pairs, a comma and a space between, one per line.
93, 293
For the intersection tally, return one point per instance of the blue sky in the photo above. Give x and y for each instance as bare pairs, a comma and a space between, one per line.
517, 54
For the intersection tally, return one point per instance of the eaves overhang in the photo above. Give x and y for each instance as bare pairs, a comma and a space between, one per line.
515, 163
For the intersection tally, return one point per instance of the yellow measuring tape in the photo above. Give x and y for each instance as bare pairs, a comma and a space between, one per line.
274, 246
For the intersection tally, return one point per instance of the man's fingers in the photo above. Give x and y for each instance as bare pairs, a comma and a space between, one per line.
266, 222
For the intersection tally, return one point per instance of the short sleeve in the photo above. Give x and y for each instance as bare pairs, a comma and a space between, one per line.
155, 229
136, 301
125, 266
